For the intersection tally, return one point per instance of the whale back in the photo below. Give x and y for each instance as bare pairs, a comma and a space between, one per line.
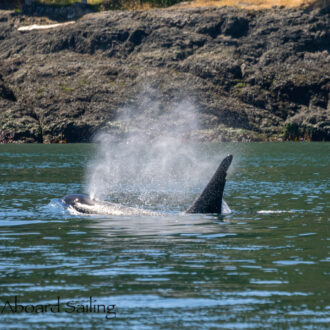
210, 200
84, 205
77, 198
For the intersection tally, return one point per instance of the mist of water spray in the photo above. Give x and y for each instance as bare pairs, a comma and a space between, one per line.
144, 158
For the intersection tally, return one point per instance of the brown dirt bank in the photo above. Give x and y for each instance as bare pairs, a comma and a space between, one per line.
252, 75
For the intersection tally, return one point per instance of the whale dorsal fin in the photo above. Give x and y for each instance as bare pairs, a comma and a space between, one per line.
210, 200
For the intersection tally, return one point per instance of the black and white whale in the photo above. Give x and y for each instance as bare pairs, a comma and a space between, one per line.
210, 200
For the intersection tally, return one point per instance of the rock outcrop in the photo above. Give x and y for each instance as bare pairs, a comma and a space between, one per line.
252, 75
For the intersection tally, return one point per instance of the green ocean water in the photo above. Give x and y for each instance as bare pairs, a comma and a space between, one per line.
265, 265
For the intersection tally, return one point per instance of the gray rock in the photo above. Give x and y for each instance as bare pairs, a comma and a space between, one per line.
261, 75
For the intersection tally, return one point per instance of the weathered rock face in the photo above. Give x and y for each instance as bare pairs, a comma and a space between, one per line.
61, 13
261, 75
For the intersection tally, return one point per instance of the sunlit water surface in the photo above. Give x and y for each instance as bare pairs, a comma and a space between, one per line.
264, 265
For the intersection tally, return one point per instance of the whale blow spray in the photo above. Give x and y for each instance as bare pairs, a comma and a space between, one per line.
143, 159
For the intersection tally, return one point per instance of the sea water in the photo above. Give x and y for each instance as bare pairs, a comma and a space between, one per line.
266, 264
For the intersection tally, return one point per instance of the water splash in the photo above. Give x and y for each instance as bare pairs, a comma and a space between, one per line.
225, 209
145, 154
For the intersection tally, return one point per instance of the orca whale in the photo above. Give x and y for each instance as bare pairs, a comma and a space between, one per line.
210, 200
80, 203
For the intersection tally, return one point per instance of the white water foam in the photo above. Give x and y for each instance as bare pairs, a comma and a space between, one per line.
225, 209
274, 211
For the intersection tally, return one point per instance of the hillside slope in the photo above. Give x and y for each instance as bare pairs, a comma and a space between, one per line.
251, 75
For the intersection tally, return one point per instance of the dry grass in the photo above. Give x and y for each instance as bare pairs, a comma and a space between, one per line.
253, 4
245, 4
136, 5
68, 2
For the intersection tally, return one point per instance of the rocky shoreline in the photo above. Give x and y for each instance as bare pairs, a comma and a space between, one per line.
250, 75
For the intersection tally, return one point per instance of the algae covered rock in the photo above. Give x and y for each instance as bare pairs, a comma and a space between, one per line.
251, 75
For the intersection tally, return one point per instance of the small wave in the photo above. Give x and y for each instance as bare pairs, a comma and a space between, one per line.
274, 211
54, 208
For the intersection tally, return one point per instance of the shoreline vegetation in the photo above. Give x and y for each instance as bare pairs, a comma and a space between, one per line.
254, 72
